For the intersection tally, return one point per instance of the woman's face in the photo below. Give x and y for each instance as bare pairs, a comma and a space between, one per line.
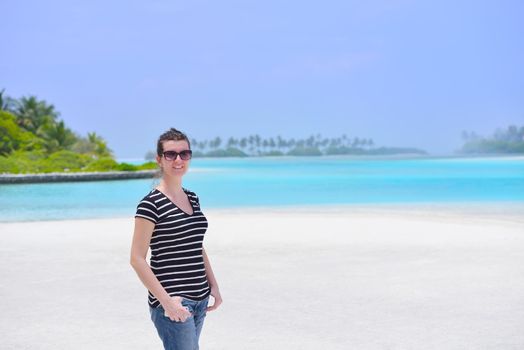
176, 167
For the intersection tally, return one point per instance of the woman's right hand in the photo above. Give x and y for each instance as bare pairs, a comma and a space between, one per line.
175, 310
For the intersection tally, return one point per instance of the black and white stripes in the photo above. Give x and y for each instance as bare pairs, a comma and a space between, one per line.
176, 245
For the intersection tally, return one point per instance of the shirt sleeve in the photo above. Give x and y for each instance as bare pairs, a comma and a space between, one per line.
147, 210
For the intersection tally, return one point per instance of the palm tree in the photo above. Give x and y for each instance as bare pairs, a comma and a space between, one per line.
310, 141
202, 145
281, 143
194, 142
99, 145
32, 114
56, 136
265, 144
5, 102
512, 134
231, 142
272, 143
215, 143
251, 142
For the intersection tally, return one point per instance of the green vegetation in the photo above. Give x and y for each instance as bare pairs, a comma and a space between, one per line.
34, 140
509, 141
315, 145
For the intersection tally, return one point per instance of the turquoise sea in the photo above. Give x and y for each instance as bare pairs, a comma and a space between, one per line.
283, 181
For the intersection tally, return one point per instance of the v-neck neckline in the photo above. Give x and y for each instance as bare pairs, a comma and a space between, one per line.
176, 206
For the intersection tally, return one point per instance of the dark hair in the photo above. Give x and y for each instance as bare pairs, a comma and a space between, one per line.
170, 135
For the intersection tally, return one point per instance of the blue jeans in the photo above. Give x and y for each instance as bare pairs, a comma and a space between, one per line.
180, 335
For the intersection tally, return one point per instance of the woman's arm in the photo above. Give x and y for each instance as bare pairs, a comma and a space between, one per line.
141, 239
215, 291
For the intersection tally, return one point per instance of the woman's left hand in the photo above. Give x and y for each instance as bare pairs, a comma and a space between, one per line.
215, 293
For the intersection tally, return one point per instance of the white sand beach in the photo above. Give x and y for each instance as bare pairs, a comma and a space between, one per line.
361, 278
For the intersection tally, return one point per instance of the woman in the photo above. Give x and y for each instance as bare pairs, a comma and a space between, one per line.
169, 222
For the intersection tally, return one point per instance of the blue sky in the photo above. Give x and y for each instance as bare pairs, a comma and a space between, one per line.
405, 73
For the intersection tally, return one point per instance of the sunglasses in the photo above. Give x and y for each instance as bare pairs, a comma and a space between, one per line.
184, 155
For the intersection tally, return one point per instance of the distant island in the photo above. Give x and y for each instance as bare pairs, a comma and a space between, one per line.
503, 142
509, 141
314, 145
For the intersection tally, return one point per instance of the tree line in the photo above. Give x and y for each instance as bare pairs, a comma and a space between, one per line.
314, 145
34, 139
503, 141
257, 145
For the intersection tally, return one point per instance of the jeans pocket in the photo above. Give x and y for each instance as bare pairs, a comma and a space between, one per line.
189, 305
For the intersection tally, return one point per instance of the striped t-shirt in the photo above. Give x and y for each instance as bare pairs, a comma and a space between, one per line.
176, 245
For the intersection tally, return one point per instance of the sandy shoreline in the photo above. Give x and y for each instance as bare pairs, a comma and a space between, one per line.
307, 278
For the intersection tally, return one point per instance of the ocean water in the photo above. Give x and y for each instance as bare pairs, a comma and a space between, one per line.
283, 181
